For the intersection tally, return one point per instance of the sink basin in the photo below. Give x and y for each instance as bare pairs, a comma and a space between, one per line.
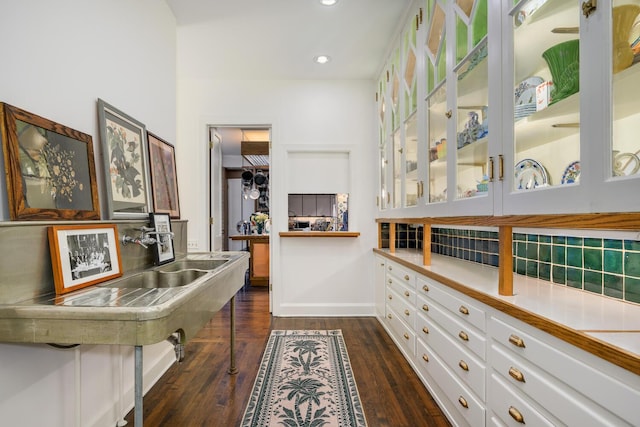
195, 264
158, 279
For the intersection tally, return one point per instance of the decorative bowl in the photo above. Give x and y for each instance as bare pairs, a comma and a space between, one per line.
563, 60
623, 18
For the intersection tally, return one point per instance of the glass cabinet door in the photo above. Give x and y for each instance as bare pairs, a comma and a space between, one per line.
410, 105
472, 79
411, 161
546, 113
436, 101
383, 192
625, 146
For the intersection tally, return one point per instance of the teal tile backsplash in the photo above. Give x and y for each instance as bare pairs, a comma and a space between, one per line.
604, 266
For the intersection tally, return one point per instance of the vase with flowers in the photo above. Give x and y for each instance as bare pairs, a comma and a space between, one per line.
258, 220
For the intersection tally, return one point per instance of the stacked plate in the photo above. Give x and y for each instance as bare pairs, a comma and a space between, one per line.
525, 97
524, 110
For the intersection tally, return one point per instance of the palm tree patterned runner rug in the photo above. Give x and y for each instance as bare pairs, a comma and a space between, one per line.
305, 380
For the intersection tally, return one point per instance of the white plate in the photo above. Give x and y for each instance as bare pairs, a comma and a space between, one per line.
530, 174
525, 92
571, 174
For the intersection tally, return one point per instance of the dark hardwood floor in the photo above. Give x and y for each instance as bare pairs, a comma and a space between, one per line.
200, 392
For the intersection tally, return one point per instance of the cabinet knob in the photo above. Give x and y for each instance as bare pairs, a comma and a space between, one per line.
588, 7
390, 281
425, 307
463, 365
463, 336
390, 268
425, 358
425, 330
516, 374
425, 288
407, 312
463, 310
463, 402
448, 114
406, 293
406, 277
390, 297
389, 316
406, 336
516, 340
516, 415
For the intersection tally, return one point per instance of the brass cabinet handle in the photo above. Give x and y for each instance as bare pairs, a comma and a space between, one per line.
390, 268
382, 264
425, 307
500, 167
406, 336
390, 281
463, 309
390, 296
407, 312
425, 330
406, 293
388, 197
516, 374
406, 277
516, 415
463, 402
516, 340
448, 114
377, 197
425, 288
463, 365
389, 316
491, 176
425, 358
588, 7
463, 336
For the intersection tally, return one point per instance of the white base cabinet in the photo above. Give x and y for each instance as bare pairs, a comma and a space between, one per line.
484, 367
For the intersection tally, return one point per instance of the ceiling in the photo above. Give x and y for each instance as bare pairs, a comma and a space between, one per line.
278, 39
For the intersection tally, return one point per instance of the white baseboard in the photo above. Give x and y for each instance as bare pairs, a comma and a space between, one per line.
325, 310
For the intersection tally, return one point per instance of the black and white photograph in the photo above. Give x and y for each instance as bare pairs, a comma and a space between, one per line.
163, 249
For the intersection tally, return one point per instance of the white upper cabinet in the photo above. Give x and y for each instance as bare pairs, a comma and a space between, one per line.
512, 107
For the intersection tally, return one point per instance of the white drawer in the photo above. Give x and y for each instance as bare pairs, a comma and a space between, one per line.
402, 288
569, 406
403, 335
462, 332
402, 273
462, 399
460, 360
460, 306
512, 409
406, 311
571, 366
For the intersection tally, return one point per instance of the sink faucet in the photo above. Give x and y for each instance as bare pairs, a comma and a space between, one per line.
145, 239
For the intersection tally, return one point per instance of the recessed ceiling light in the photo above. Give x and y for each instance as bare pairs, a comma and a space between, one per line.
322, 59
328, 2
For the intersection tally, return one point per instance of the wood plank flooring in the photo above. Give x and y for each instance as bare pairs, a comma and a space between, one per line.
200, 392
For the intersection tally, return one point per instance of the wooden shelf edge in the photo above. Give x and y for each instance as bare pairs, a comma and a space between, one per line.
603, 350
319, 234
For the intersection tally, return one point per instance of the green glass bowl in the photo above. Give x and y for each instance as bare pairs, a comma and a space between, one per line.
563, 60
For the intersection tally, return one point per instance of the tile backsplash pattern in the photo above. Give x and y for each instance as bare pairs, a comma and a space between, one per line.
604, 266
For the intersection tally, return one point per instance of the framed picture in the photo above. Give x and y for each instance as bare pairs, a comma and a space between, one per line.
164, 179
126, 163
82, 256
163, 250
49, 168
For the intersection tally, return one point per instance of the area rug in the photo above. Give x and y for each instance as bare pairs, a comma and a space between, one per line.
305, 380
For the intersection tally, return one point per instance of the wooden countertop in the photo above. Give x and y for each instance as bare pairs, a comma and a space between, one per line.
252, 237
604, 327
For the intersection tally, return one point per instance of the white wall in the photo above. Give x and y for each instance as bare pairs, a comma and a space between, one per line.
58, 58
309, 276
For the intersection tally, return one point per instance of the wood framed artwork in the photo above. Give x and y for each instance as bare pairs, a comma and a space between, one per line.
82, 256
50, 168
164, 179
126, 163
163, 251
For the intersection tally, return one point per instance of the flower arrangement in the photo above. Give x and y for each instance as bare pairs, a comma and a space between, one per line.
258, 220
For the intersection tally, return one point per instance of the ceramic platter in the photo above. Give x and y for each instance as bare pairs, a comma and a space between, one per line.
530, 174
571, 174
525, 93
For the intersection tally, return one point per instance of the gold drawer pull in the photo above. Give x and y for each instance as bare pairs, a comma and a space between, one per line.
382, 264
407, 312
425, 358
463, 336
425, 330
463, 309
516, 374
389, 316
390, 281
516, 415
516, 340
390, 268
425, 288
406, 277
425, 307
406, 293
406, 336
463, 402
463, 365
390, 296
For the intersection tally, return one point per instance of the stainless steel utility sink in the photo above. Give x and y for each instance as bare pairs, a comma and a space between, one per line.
193, 264
159, 279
